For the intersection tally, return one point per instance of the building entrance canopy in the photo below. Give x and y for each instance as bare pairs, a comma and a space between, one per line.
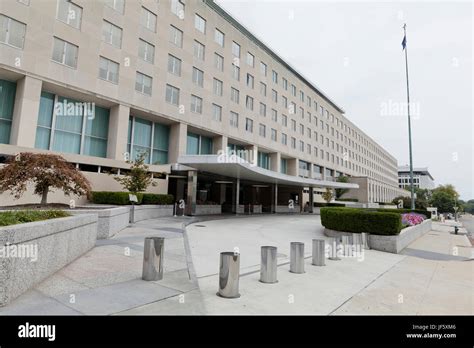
235, 167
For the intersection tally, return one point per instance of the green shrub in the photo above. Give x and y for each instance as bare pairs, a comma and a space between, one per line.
152, 198
24, 216
348, 199
317, 204
362, 220
113, 198
426, 213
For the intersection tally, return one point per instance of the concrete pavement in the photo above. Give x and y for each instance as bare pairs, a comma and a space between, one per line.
434, 275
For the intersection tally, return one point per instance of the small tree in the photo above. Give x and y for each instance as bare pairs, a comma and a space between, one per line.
137, 179
46, 172
341, 191
327, 196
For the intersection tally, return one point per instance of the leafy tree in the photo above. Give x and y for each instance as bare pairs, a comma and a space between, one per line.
327, 196
445, 198
339, 191
138, 178
46, 172
469, 206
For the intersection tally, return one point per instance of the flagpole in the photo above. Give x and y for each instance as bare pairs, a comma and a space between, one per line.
409, 123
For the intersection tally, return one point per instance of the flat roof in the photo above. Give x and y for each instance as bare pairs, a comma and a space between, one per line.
422, 170
235, 167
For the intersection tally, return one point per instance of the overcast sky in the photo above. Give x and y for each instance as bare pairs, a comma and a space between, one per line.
352, 51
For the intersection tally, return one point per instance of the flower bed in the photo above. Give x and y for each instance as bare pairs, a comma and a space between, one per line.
412, 219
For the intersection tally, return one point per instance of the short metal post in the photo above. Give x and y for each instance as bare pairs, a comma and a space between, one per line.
334, 249
229, 273
268, 265
132, 214
319, 251
153, 258
346, 245
296, 257
175, 210
365, 240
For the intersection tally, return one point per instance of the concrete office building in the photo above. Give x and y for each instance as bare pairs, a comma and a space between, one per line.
102, 81
421, 178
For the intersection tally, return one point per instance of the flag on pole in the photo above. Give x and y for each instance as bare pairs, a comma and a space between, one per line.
404, 42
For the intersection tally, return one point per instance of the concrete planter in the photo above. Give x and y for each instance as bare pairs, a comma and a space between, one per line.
257, 209
146, 212
57, 242
391, 244
285, 209
203, 209
111, 220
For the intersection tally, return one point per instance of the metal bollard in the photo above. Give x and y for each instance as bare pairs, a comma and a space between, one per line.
334, 250
365, 240
153, 258
268, 265
229, 273
296, 257
346, 244
319, 251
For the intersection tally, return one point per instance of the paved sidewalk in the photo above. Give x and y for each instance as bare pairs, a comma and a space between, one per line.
107, 279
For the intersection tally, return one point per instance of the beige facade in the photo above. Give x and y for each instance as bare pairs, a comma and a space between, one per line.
327, 142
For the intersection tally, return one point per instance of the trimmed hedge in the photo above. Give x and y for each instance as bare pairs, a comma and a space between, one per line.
8, 218
152, 198
122, 198
317, 204
114, 198
347, 200
362, 220
426, 213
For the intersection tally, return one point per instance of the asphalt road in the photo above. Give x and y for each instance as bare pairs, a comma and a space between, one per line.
468, 222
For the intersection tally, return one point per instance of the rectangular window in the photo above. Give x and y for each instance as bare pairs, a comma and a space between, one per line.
69, 13
218, 87
250, 81
65, 53
274, 76
198, 77
198, 50
283, 166
293, 90
117, 5
7, 102
234, 119
177, 7
284, 120
234, 95
293, 143
262, 130
263, 110
216, 113
301, 146
112, 34
174, 65
172, 95
196, 104
200, 23
274, 135
149, 138
249, 103
176, 36
12, 32
302, 96
148, 20
274, 96
274, 115
146, 51
285, 84
263, 89
284, 102
235, 72
198, 145
143, 83
235, 49
249, 125
219, 37
108, 70
293, 125
283, 138
250, 59
218, 62
263, 68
